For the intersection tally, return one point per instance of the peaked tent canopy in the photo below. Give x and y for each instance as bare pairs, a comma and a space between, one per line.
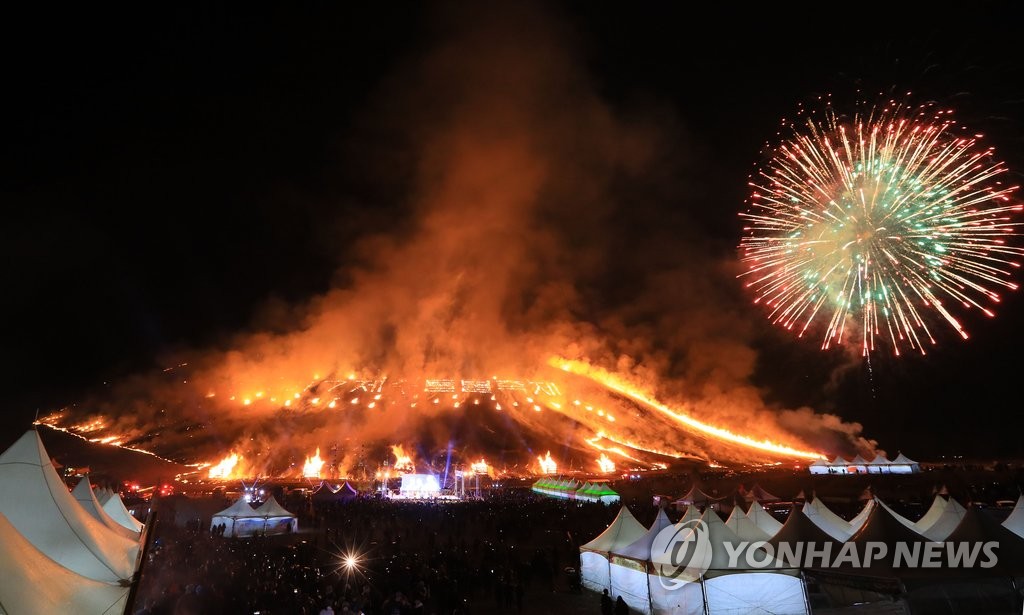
763, 519
628, 570
239, 519
594, 566
276, 519
735, 590
84, 495
33, 584
114, 506
325, 493
758, 493
695, 496
744, 527
943, 526
932, 515
621, 532
883, 526
37, 503
833, 525
798, 530
1015, 522
858, 522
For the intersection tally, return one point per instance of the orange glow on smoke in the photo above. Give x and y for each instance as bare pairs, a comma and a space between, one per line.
313, 465
619, 385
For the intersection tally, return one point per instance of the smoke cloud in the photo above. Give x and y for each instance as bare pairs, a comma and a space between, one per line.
536, 219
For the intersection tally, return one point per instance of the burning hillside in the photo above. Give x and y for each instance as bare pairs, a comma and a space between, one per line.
347, 427
501, 314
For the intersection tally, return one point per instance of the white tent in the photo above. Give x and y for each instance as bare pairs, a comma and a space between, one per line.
239, 519
858, 464
858, 522
1015, 522
943, 526
763, 519
879, 465
277, 520
692, 513
931, 515
819, 466
114, 506
84, 494
628, 572
37, 503
904, 465
730, 590
595, 569
744, 527
833, 525
102, 494
33, 584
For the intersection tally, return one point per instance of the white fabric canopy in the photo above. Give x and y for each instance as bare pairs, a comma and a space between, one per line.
595, 570
744, 527
33, 584
756, 593
932, 514
86, 499
271, 508
858, 522
37, 503
1015, 522
114, 506
763, 519
943, 526
833, 525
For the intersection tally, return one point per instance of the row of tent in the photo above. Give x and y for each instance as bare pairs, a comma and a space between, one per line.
326, 493
61, 551
574, 490
697, 496
858, 465
242, 520
620, 559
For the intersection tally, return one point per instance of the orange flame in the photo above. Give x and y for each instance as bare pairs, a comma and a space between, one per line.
225, 467
403, 462
479, 467
547, 464
313, 465
617, 384
607, 465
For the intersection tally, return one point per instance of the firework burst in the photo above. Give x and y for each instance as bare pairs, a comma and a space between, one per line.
877, 228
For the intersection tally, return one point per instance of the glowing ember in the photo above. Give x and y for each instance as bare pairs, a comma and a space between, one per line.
225, 467
403, 462
619, 385
607, 465
547, 464
313, 465
479, 467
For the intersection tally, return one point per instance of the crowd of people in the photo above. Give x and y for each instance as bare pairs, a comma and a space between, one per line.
513, 552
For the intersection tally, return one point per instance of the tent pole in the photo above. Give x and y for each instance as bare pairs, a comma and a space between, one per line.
650, 596
803, 590
704, 595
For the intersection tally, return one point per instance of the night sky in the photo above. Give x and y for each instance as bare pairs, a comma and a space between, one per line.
170, 178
